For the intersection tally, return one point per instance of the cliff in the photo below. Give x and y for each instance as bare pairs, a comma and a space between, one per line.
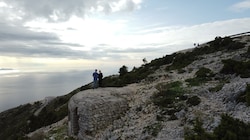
200, 93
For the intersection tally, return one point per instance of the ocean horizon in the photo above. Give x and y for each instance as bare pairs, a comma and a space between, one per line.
26, 88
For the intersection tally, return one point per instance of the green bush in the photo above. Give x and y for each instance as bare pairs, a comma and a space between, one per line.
226, 43
245, 96
181, 60
168, 94
216, 88
193, 101
201, 76
232, 129
248, 95
204, 73
236, 67
198, 132
248, 51
153, 129
228, 129
194, 81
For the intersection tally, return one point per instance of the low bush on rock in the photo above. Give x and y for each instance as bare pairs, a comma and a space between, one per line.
248, 95
248, 51
201, 76
153, 129
216, 88
198, 132
225, 43
245, 96
168, 94
236, 67
228, 129
232, 129
193, 101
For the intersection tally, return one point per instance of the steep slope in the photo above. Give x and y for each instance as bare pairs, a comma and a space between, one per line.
187, 94
194, 98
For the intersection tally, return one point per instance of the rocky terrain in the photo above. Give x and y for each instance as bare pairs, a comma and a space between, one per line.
171, 102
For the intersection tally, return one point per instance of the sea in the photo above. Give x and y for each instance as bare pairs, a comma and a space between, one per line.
22, 88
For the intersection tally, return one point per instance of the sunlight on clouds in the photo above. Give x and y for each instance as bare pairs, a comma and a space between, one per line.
88, 32
9, 71
91, 32
125, 4
3, 4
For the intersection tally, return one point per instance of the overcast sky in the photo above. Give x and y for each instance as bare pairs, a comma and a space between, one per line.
60, 35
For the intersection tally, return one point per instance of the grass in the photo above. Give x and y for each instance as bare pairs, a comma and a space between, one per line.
168, 94
201, 76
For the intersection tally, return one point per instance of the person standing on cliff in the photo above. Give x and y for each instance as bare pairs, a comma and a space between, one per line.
95, 79
100, 76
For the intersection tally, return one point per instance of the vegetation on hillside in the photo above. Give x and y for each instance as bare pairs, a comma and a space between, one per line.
201, 76
228, 129
17, 122
245, 96
236, 67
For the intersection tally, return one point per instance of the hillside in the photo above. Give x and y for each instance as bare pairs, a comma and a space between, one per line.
202, 93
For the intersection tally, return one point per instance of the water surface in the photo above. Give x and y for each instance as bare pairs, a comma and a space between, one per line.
30, 87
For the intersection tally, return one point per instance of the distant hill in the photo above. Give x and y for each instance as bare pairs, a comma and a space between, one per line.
202, 93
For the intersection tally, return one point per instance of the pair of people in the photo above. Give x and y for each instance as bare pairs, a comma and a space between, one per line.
97, 79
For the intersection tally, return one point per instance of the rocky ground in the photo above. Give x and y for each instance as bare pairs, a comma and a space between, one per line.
144, 120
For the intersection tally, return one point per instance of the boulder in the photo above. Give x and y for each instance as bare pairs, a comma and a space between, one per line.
93, 110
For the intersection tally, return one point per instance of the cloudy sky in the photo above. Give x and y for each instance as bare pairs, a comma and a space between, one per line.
53, 35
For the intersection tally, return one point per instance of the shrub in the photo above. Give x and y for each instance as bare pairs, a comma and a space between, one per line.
204, 73
123, 70
181, 60
198, 132
153, 129
201, 76
225, 43
236, 67
245, 96
168, 93
216, 88
228, 129
248, 95
193, 101
194, 81
232, 129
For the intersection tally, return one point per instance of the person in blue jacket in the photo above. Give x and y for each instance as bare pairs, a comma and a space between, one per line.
95, 77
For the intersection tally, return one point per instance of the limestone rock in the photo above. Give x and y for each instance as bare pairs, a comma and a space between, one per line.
94, 110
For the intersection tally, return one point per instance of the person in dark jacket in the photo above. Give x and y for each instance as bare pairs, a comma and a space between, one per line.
100, 76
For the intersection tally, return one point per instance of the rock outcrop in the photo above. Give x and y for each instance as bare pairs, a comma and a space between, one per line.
94, 110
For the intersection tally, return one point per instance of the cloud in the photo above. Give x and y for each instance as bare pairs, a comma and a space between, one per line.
16, 32
153, 41
17, 40
241, 6
8, 71
53, 10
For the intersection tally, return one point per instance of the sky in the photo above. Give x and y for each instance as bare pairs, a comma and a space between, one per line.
57, 36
